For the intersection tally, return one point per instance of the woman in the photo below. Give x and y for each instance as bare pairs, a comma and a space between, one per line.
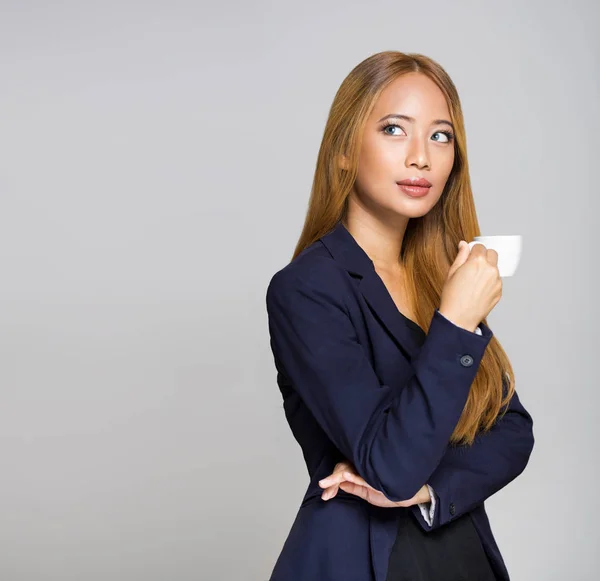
400, 396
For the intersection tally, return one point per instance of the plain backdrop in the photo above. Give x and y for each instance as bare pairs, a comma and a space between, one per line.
156, 160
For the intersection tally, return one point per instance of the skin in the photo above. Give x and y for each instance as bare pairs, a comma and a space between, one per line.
379, 211
344, 476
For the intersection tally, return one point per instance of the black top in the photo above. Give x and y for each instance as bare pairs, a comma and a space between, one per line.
452, 552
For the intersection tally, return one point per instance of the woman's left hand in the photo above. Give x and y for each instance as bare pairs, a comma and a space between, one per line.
344, 476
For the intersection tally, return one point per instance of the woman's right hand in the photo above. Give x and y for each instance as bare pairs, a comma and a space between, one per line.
473, 286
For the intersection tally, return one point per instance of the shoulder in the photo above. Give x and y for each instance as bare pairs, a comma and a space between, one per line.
313, 271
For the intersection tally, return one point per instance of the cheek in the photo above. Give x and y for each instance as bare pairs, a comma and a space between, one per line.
445, 164
379, 162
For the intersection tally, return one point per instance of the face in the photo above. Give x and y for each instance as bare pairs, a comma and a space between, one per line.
395, 148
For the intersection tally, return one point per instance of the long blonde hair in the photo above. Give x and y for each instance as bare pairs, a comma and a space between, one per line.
430, 242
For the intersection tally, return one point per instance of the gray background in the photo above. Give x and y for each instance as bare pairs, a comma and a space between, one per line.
156, 161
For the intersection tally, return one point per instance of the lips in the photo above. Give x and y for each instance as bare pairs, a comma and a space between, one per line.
416, 182
415, 187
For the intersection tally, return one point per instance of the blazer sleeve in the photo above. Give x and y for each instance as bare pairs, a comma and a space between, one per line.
394, 436
468, 475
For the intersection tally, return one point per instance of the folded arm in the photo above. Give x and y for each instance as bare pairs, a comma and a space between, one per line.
394, 436
468, 475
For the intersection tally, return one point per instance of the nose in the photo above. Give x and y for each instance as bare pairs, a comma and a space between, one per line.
417, 154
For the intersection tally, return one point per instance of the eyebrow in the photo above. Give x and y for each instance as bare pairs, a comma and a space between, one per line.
412, 119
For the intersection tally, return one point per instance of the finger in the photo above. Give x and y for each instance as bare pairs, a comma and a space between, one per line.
478, 249
492, 256
342, 466
355, 489
332, 479
343, 471
335, 477
461, 257
355, 479
330, 492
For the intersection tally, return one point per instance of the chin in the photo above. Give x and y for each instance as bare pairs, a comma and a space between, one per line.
417, 209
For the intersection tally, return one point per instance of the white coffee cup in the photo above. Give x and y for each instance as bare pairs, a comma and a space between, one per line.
508, 248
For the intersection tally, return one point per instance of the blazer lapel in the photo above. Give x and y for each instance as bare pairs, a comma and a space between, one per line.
343, 248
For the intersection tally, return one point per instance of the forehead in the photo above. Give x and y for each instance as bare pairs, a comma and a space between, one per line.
412, 94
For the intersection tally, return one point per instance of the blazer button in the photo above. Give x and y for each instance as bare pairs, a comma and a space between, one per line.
452, 508
466, 361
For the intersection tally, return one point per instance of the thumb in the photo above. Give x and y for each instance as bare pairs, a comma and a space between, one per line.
463, 250
461, 257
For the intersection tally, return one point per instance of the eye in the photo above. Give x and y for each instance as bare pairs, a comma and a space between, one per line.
387, 125
449, 136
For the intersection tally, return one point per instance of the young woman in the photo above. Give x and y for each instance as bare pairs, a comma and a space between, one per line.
399, 394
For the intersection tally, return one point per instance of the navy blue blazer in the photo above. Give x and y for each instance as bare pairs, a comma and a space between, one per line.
357, 387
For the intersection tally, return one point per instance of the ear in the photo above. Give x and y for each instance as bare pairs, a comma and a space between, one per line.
343, 162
